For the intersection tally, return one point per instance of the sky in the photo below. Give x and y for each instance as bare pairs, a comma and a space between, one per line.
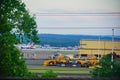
64, 16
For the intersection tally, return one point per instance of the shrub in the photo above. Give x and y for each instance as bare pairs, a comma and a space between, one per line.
49, 73
107, 69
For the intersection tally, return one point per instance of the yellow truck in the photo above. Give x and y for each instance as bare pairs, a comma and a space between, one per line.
53, 59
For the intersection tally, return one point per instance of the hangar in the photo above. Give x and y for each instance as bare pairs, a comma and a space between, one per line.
101, 47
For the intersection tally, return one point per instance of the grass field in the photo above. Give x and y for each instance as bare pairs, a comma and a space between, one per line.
72, 70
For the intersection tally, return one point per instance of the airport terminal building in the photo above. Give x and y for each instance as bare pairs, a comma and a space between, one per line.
101, 47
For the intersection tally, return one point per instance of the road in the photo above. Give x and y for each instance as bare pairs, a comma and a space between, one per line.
44, 53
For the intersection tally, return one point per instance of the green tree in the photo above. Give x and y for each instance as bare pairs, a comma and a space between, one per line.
108, 68
14, 19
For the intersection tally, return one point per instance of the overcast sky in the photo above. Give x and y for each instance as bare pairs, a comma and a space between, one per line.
69, 24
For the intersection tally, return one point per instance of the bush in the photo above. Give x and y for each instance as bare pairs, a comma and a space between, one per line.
107, 69
49, 73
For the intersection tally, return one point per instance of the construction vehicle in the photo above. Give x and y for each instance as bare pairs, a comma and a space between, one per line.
62, 60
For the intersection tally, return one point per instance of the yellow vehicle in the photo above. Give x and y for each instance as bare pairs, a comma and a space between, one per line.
53, 59
49, 62
61, 60
87, 59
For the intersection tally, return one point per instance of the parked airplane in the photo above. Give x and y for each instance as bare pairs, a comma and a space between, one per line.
28, 46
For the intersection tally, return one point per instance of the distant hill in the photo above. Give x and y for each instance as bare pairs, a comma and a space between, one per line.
69, 40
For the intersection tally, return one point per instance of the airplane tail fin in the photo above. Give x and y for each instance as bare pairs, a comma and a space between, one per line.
31, 45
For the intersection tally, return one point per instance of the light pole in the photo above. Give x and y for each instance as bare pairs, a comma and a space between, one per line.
112, 44
99, 48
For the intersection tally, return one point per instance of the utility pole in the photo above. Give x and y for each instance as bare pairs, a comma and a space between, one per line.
99, 48
112, 44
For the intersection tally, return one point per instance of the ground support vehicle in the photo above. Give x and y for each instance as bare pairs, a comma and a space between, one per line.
49, 62
77, 63
61, 60
68, 63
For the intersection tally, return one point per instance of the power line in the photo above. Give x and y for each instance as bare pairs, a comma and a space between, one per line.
79, 27
79, 14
